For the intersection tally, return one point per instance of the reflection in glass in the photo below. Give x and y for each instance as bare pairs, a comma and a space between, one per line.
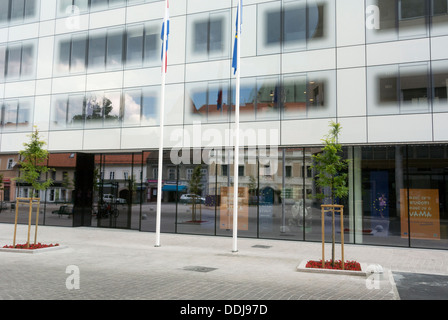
440, 85
307, 96
140, 107
400, 19
294, 27
134, 49
399, 89
97, 51
14, 54
103, 109
207, 101
2, 62
16, 114
208, 36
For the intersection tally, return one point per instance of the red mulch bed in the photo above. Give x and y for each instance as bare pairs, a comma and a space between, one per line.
348, 265
31, 247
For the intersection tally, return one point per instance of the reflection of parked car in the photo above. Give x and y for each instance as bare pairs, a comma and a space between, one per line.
188, 198
109, 198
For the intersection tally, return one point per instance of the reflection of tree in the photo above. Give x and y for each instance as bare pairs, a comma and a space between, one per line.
96, 109
196, 188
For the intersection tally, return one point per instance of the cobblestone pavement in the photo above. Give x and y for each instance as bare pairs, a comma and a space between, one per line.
125, 265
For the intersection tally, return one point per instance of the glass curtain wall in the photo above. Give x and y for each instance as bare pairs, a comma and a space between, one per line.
398, 194
118, 190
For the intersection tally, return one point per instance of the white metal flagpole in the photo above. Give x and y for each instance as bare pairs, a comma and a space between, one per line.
237, 128
162, 120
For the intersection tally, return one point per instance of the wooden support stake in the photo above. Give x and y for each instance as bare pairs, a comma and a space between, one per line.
15, 223
30, 214
37, 220
323, 238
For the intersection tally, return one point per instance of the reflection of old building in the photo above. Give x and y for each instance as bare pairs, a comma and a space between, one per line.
176, 178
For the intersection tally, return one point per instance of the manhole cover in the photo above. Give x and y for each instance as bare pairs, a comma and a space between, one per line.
199, 269
261, 246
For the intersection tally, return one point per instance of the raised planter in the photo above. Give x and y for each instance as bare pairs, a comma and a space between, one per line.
363, 272
39, 248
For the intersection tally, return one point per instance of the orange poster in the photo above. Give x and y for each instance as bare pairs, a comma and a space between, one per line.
226, 208
423, 212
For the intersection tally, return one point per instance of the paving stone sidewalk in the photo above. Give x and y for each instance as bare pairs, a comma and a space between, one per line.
125, 265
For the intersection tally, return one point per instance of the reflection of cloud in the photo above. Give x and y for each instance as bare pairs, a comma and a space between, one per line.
131, 109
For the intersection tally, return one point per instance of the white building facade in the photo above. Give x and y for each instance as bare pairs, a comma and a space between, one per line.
88, 75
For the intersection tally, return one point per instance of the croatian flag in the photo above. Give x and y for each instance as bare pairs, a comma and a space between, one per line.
167, 20
238, 30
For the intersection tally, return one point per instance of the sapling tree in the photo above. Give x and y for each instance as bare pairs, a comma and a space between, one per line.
33, 164
330, 167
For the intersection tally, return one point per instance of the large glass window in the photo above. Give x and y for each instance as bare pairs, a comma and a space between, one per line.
18, 10
260, 99
424, 214
440, 85
381, 181
207, 101
140, 107
17, 61
71, 54
397, 89
17, 115
308, 95
103, 109
143, 45
208, 38
404, 19
295, 27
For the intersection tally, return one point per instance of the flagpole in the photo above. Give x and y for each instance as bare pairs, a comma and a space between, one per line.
162, 120
237, 130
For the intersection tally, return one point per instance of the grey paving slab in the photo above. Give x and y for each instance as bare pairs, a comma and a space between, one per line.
112, 264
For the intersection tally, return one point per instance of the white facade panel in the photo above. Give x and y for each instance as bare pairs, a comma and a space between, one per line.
304, 132
102, 139
324, 59
354, 130
351, 57
65, 140
400, 128
350, 22
351, 92
398, 52
42, 105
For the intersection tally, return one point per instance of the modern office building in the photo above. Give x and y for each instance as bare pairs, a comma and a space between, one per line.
87, 74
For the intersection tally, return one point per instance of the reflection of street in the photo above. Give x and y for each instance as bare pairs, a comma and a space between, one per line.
178, 218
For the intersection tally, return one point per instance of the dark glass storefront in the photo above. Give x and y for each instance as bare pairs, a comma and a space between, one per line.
398, 195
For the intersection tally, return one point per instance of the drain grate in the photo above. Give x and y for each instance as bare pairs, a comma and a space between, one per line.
199, 269
259, 246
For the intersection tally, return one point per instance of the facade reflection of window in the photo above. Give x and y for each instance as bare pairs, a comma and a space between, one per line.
140, 107
295, 27
16, 115
72, 54
307, 96
208, 102
440, 85
259, 99
401, 89
143, 45
17, 61
103, 109
404, 19
18, 10
208, 38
